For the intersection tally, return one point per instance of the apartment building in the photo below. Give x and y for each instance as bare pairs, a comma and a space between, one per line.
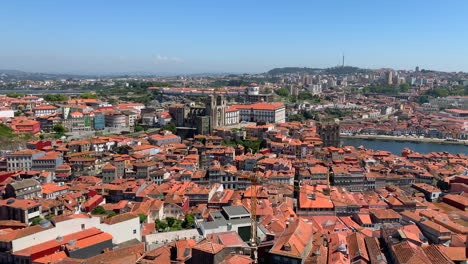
44, 110
262, 112
23, 210
350, 178
23, 189
22, 159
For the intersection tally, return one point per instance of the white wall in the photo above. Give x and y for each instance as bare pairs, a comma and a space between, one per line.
7, 113
61, 229
121, 232
172, 236
124, 231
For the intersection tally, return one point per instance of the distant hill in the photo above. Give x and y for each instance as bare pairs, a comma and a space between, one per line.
8, 75
11, 72
344, 70
334, 70
290, 70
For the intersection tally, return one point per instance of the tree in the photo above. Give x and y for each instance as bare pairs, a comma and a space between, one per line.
161, 225
143, 218
59, 129
111, 214
438, 92
423, 99
138, 128
15, 95
202, 140
299, 118
266, 91
36, 221
56, 97
171, 127
170, 221
50, 216
283, 92
189, 221
88, 96
98, 210
442, 185
404, 87
305, 96
309, 115
254, 145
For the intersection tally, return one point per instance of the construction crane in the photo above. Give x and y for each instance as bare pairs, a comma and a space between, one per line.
255, 181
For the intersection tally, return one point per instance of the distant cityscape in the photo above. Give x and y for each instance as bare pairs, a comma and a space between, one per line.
234, 168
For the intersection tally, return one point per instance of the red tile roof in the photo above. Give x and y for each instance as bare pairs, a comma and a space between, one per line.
209, 247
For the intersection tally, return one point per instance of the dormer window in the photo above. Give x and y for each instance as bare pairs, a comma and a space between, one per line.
286, 247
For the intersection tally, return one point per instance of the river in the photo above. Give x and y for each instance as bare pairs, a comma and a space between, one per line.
397, 146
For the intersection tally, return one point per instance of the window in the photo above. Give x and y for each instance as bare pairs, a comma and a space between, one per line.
134, 231
82, 226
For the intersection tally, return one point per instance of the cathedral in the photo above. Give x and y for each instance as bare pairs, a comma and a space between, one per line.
200, 119
329, 133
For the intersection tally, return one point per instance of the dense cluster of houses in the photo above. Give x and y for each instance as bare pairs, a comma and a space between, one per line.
32, 114
414, 121
316, 204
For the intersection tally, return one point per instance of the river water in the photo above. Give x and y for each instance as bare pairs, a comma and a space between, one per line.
397, 146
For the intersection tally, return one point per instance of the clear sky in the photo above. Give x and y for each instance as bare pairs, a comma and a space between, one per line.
197, 36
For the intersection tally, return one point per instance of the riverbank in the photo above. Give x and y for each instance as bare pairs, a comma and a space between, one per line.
407, 139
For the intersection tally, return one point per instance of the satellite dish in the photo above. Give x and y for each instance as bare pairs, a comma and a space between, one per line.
44, 223
10, 201
59, 239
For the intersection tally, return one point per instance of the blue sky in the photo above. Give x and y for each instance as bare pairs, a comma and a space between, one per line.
197, 36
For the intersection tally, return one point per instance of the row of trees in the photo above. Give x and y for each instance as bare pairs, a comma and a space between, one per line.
403, 88
254, 145
449, 91
173, 224
302, 96
133, 87
385, 89
169, 224
99, 210
170, 126
88, 96
303, 115
309, 97
56, 98
15, 95
283, 92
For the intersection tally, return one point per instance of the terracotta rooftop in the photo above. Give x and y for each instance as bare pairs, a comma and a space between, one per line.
208, 247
